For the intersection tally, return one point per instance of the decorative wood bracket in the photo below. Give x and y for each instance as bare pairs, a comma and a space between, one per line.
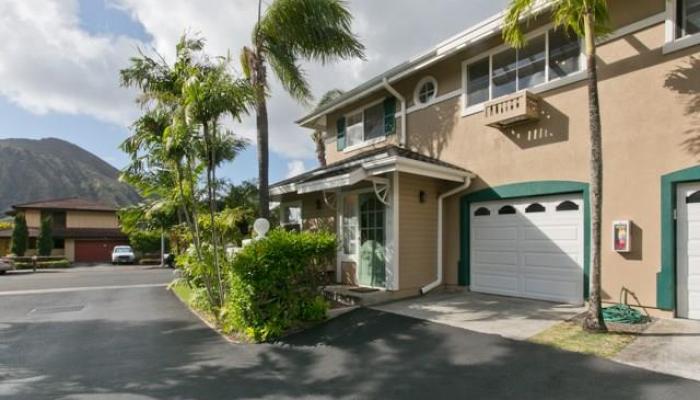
382, 188
331, 199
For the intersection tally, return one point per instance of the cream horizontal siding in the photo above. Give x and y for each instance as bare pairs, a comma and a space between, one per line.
417, 231
92, 219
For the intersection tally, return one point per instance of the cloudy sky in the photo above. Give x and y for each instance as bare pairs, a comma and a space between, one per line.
59, 64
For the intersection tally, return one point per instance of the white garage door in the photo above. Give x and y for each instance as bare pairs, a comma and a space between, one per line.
688, 251
531, 247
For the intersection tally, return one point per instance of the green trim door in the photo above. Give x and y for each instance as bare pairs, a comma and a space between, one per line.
666, 278
371, 270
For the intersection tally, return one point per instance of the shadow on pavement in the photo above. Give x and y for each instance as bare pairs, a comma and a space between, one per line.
363, 354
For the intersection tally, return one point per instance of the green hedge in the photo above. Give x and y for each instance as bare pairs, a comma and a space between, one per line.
43, 264
274, 284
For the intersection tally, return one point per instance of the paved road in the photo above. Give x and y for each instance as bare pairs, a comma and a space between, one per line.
140, 343
81, 277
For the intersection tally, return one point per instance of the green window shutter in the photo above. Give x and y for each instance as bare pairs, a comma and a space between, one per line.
340, 125
390, 116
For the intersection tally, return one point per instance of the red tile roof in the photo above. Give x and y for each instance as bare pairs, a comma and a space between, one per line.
74, 233
72, 203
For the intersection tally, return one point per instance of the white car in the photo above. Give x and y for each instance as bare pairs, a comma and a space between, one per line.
5, 265
123, 255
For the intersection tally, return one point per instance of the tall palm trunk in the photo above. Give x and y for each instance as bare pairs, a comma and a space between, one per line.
320, 148
594, 318
260, 82
210, 139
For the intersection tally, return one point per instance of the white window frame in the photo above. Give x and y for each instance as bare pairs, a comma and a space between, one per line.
547, 85
419, 86
341, 226
288, 204
364, 142
672, 42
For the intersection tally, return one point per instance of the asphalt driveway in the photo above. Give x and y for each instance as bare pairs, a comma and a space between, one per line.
141, 343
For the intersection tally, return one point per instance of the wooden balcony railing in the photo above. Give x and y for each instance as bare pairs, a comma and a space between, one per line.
514, 109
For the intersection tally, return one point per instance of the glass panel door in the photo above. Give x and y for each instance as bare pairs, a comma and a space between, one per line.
372, 240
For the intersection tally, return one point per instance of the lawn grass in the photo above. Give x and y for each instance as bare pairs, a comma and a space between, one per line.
182, 291
570, 336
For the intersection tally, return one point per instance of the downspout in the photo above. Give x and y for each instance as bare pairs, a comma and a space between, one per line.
395, 93
437, 282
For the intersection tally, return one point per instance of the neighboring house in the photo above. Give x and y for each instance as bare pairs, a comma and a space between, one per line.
83, 230
469, 165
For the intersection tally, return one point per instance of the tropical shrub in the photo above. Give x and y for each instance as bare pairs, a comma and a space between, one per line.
274, 284
145, 242
62, 263
45, 241
20, 235
199, 271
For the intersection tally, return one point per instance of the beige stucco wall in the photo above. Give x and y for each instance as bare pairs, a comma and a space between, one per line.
4, 246
69, 250
91, 219
650, 125
33, 218
648, 117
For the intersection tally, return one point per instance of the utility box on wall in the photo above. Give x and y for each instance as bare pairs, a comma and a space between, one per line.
622, 236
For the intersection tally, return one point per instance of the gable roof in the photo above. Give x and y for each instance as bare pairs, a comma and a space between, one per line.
71, 203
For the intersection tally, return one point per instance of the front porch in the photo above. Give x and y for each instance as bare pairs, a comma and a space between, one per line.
384, 206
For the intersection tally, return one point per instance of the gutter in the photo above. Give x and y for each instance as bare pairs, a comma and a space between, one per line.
395, 93
438, 281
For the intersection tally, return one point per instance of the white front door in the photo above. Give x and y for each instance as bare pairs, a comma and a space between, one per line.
688, 250
528, 247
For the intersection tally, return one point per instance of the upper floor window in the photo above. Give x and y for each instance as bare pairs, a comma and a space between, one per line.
546, 57
290, 216
687, 17
426, 90
369, 124
682, 24
58, 218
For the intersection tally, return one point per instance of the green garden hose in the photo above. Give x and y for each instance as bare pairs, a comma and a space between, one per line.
623, 314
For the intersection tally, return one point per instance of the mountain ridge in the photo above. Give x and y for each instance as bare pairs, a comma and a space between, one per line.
50, 168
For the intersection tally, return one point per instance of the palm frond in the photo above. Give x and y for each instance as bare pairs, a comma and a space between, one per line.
329, 96
286, 67
566, 14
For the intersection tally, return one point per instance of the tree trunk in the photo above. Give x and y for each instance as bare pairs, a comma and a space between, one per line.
320, 148
260, 82
210, 139
593, 320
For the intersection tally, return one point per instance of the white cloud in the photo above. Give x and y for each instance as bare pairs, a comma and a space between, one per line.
295, 167
48, 63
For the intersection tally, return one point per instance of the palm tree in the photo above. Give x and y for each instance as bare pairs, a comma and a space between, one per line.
291, 31
587, 19
317, 135
179, 138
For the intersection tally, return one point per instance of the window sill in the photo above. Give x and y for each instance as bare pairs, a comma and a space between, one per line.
364, 144
682, 43
545, 87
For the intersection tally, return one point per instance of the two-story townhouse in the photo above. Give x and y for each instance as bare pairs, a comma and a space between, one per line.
83, 230
469, 165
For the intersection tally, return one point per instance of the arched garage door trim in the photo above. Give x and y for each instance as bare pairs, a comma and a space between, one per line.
666, 278
517, 190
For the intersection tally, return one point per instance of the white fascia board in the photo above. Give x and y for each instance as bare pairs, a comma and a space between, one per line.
333, 182
280, 190
403, 164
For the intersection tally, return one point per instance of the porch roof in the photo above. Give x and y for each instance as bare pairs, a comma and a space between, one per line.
367, 165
